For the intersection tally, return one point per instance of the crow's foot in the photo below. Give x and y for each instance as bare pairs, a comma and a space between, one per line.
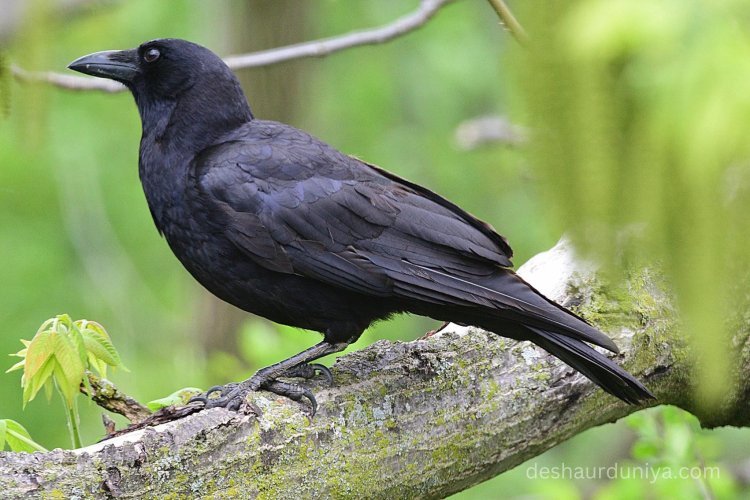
232, 396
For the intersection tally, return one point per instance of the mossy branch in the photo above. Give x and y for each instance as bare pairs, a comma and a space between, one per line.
406, 419
105, 394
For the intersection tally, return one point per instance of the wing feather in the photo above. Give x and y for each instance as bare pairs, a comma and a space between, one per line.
332, 218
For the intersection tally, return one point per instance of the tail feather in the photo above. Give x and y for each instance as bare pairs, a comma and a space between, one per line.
594, 365
534, 309
503, 294
504, 303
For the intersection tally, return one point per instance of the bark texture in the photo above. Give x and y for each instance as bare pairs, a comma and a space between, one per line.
408, 419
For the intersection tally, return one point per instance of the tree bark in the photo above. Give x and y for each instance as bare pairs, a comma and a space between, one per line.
408, 419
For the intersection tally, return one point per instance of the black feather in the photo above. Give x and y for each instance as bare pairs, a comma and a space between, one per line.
281, 224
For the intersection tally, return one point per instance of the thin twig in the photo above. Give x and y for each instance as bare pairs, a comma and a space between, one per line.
109, 397
63, 81
316, 48
320, 48
509, 21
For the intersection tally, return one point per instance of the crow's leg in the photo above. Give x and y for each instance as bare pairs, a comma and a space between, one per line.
231, 396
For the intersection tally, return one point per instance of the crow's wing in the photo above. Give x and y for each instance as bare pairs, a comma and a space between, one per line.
309, 210
353, 225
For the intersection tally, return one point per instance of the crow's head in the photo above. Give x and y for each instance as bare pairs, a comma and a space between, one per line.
169, 74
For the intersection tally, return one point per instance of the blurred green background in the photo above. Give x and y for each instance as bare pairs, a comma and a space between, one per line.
612, 91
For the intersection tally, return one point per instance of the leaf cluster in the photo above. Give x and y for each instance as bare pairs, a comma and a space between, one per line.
59, 354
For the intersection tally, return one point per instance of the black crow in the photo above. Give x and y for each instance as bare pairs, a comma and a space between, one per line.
282, 225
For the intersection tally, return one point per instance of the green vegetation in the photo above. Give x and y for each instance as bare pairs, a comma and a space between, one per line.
178, 397
57, 358
642, 145
17, 438
637, 121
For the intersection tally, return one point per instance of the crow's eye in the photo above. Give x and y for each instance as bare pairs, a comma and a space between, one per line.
151, 55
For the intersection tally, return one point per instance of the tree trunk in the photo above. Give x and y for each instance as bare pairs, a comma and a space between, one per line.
408, 419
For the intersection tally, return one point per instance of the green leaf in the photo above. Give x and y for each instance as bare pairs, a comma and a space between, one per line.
70, 368
20, 354
98, 343
98, 356
32, 386
76, 337
59, 354
49, 385
47, 325
17, 437
17, 366
39, 350
645, 450
179, 397
97, 364
67, 388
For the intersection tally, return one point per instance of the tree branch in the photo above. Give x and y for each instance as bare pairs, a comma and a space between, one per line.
316, 48
63, 81
509, 21
109, 397
408, 419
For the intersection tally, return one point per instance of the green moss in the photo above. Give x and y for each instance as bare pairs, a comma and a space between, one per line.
493, 389
453, 451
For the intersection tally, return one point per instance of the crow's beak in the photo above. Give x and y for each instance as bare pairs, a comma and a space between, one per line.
119, 65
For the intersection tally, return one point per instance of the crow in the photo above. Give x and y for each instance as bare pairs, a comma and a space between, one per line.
282, 225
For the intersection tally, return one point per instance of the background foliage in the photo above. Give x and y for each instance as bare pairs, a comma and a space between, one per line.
636, 114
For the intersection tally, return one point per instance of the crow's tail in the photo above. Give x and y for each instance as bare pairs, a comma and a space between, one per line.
503, 302
596, 366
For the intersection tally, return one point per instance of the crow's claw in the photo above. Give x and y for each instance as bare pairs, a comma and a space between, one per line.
229, 396
232, 396
293, 392
200, 398
220, 389
309, 371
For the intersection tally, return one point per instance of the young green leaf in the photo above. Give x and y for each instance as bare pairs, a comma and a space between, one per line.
17, 366
39, 350
179, 397
17, 437
20, 354
69, 368
41, 379
68, 389
98, 343
58, 356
